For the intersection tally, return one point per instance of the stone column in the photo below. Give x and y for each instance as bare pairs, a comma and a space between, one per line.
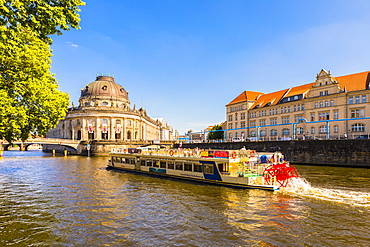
97, 129
112, 131
83, 130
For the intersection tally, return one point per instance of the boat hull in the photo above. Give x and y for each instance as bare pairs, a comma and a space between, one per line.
163, 174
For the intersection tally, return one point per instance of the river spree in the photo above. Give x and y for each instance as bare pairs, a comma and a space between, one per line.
75, 201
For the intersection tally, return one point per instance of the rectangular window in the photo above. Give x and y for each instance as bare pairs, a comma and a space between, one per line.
104, 121
321, 94
336, 114
324, 116
273, 121
316, 105
302, 107
350, 100
312, 116
236, 125
363, 98
331, 102
356, 113
230, 117
179, 166
162, 164
242, 124
312, 130
357, 99
197, 167
285, 120
262, 122
208, 169
253, 123
297, 118
188, 167
155, 163
230, 125
170, 165
242, 116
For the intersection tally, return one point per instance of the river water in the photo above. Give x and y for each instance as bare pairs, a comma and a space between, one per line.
75, 201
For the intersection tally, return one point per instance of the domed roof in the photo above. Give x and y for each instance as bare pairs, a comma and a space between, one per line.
104, 86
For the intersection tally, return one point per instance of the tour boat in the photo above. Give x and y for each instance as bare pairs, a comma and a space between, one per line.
233, 168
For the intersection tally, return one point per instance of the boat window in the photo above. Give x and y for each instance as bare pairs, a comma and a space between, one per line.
208, 169
197, 167
188, 167
179, 166
171, 165
130, 161
149, 162
162, 164
155, 163
223, 167
142, 163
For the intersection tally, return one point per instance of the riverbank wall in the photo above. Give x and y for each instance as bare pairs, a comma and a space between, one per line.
350, 153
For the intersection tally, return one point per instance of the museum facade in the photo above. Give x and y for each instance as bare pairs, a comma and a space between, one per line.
104, 113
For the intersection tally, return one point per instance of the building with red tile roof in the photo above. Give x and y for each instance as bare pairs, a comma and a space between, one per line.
329, 107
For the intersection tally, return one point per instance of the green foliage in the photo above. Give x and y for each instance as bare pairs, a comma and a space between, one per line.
43, 17
30, 101
216, 135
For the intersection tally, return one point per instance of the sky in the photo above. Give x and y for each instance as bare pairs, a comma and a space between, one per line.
185, 60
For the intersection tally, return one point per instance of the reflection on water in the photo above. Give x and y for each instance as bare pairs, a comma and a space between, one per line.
75, 201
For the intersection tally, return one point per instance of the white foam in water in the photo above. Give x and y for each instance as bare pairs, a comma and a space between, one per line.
301, 187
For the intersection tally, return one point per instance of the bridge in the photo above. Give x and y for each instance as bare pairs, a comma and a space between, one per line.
24, 145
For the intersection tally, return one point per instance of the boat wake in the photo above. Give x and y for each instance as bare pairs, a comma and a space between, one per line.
300, 187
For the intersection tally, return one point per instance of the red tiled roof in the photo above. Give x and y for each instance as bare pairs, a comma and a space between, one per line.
300, 89
272, 98
354, 82
245, 96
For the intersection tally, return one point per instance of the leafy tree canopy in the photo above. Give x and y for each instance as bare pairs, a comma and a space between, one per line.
43, 17
30, 101
216, 135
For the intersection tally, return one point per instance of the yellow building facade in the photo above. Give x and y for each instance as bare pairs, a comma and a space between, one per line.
329, 108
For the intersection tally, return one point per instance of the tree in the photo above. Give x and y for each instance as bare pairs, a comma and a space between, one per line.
216, 133
30, 101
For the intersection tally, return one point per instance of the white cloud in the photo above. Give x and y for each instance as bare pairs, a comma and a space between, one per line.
71, 44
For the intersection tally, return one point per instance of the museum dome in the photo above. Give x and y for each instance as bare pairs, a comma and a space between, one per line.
104, 86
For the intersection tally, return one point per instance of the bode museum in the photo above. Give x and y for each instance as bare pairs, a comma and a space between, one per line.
104, 113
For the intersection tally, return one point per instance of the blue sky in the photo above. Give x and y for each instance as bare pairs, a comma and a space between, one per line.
185, 60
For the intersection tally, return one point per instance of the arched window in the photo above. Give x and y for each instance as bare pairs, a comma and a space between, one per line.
336, 129
300, 130
253, 133
263, 133
358, 127
286, 132
273, 132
